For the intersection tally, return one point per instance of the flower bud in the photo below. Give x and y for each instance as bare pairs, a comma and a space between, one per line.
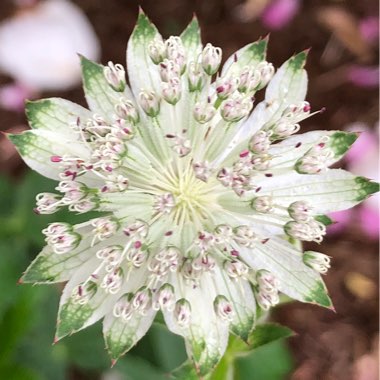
249, 80
169, 69
176, 52
157, 50
47, 203
317, 261
211, 59
127, 111
171, 91
196, 77
223, 308
235, 109
204, 112
224, 87
260, 142
150, 103
266, 281
266, 71
300, 211
115, 76
311, 230
182, 312
262, 204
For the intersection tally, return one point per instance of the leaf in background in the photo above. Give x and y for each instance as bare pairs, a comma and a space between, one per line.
270, 362
267, 333
136, 368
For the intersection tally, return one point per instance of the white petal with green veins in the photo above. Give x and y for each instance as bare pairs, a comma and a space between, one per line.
287, 152
285, 262
142, 72
56, 115
191, 39
37, 146
120, 335
206, 336
250, 55
334, 190
100, 96
288, 85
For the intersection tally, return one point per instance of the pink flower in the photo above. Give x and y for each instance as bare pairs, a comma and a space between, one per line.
279, 13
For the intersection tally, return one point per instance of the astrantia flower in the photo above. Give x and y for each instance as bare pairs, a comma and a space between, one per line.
200, 192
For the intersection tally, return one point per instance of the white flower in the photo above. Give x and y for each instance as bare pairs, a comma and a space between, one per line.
197, 200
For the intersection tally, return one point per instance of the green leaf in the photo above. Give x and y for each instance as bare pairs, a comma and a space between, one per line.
267, 333
136, 368
269, 362
185, 372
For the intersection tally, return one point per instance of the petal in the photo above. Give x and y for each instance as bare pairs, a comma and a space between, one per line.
191, 39
55, 115
142, 72
120, 335
37, 146
240, 294
289, 85
333, 190
296, 280
100, 96
72, 316
49, 267
206, 336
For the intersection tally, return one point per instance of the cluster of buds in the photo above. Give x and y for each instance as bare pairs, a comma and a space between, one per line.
304, 226
241, 177
179, 144
236, 108
236, 269
61, 237
315, 160
202, 170
316, 260
104, 228
267, 289
164, 203
113, 281
83, 292
312, 230
193, 269
253, 79
288, 123
111, 256
163, 262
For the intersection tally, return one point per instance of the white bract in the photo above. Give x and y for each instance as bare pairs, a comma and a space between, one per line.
198, 194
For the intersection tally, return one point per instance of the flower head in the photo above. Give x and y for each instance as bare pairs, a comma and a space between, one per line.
199, 194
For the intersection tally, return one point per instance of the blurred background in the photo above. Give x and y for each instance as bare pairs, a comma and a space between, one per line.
38, 45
